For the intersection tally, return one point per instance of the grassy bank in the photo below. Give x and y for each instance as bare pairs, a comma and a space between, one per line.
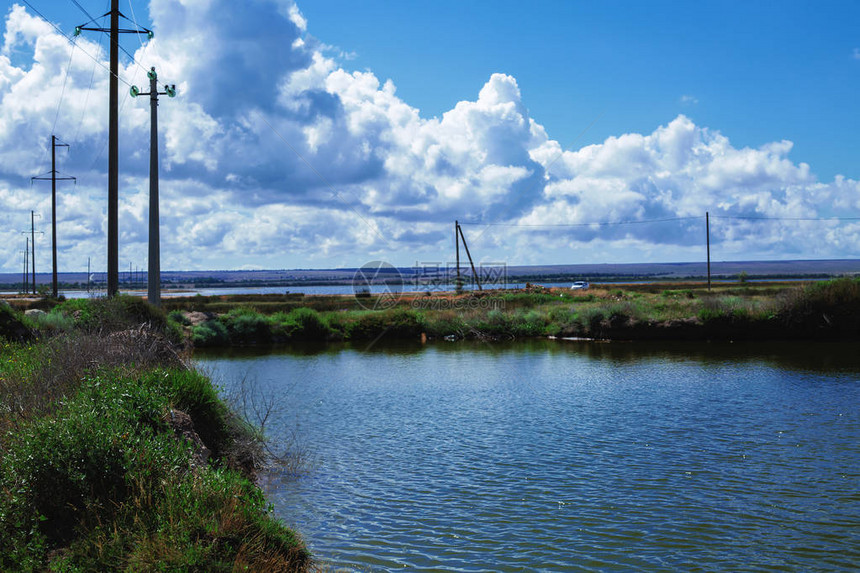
820, 310
114, 455
681, 311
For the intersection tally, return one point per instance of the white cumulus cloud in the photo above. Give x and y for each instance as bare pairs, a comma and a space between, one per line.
275, 154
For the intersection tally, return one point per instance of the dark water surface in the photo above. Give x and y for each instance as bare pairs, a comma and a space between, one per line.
562, 456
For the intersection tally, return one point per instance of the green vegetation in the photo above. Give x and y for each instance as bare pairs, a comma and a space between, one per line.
115, 456
730, 310
739, 310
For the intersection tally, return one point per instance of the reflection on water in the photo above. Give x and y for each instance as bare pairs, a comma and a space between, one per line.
566, 456
810, 356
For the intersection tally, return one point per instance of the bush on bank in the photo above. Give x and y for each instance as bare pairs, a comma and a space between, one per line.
102, 459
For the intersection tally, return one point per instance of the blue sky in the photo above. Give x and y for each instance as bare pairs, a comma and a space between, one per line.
756, 71
331, 133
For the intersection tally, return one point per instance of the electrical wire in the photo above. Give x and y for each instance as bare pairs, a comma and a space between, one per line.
594, 224
133, 60
153, 45
63, 90
69, 40
134, 21
647, 221
84, 10
750, 218
87, 98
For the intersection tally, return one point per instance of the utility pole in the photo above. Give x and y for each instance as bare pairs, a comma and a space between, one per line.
31, 247
153, 291
26, 266
113, 139
54, 179
457, 285
468, 254
708, 245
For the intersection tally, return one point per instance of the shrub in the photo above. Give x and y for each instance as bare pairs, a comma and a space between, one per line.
828, 305
301, 323
178, 317
121, 312
592, 321
311, 324
210, 333
54, 322
246, 326
444, 323
76, 461
396, 323
532, 323
107, 480
13, 324
193, 393
42, 375
725, 308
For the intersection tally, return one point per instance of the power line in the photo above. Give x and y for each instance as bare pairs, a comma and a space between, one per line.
751, 218
666, 220
113, 138
594, 224
84, 10
134, 21
69, 40
139, 30
87, 97
63, 91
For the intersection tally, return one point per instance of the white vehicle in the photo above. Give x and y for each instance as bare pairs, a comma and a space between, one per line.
579, 285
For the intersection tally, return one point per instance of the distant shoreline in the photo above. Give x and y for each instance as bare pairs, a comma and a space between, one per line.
599, 272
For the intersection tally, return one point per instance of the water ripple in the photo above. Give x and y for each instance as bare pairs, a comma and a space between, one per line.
523, 460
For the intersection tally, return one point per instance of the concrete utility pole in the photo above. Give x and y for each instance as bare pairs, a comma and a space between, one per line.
153, 291
113, 140
457, 285
26, 266
708, 245
33, 246
54, 179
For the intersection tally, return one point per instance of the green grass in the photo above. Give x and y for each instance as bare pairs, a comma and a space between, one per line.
106, 479
633, 310
818, 309
94, 475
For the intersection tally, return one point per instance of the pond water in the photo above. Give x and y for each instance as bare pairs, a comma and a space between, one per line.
564, 456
